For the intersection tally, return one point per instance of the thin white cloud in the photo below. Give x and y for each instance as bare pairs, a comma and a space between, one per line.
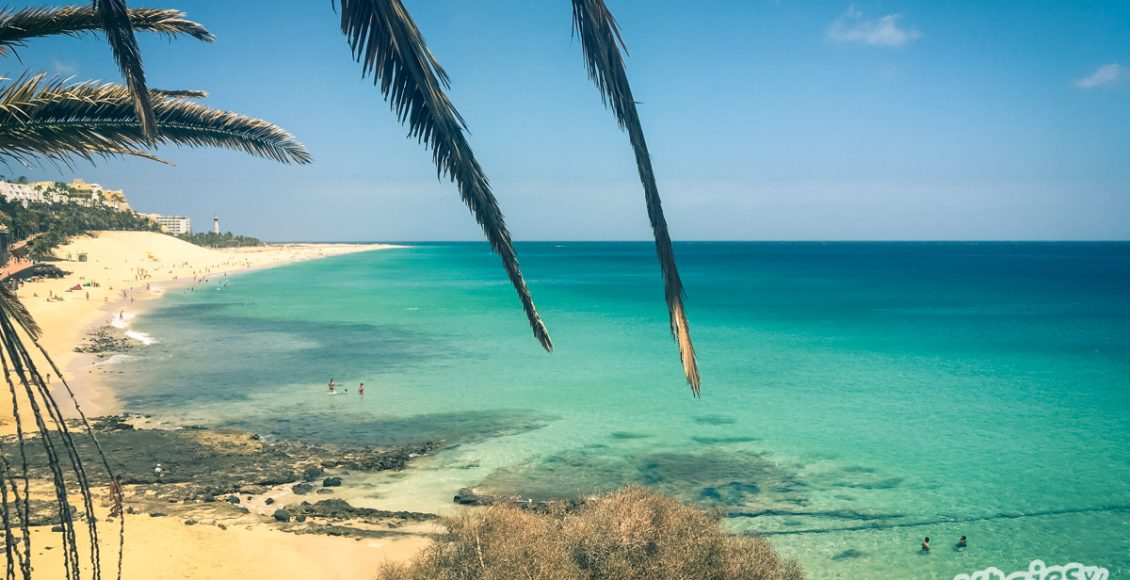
1104, 75
62, 68
852, 27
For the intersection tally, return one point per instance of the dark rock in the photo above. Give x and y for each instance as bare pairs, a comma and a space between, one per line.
282, 516
254, 436
221, 526
302, 488
330, 463
244, 510
190, 522
252, 489
300, 518
467, 496
278, 477
341, 510
331, 482
208, 498
324, 491
157, 514
233, 499
270, 501
312, 473
56, 528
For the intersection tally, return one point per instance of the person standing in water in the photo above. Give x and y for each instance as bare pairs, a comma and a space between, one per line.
962, 544
332, 385
926, 545
361, 389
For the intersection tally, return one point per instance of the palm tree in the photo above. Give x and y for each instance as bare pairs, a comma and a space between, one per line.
53, 120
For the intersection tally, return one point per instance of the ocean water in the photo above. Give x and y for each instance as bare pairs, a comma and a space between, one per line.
856, 397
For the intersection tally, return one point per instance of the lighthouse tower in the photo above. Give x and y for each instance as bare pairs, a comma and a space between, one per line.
216, 225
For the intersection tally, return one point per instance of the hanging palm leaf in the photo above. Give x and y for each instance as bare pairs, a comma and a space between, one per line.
389, 47
119, 34
601, 41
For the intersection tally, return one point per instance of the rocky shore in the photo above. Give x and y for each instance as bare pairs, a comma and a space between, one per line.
223, 478
105, 340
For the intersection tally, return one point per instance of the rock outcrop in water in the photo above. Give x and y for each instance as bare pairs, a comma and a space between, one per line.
219, 477
105, 340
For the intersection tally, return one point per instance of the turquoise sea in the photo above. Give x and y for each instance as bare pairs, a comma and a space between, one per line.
856, 396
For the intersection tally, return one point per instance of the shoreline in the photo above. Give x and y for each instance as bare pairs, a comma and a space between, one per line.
132, 269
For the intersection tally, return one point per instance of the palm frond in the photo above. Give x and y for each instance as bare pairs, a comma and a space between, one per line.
11, 307
123, 43
17, 27
387, 44
48, 119
180, 93
601, 42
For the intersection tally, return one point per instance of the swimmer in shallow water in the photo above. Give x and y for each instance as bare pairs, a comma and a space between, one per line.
962, 544
926, 545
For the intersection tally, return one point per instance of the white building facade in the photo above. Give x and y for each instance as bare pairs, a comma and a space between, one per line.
176, 225
23, 193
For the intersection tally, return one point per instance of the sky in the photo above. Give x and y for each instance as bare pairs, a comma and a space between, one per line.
766, 120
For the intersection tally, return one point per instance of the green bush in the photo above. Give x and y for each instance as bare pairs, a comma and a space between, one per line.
628, 534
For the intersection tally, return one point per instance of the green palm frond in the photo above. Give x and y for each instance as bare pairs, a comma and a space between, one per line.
389, 47
601, 41
17, 27
114, 15
48, 119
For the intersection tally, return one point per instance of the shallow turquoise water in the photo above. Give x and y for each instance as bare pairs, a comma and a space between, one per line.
856, 397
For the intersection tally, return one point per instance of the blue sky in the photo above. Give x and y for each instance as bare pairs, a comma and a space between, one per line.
766, 121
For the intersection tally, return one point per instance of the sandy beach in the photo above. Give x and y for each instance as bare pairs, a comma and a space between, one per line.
124, 270
119, 273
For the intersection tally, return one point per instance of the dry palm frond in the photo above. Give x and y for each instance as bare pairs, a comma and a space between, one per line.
180, 93
123, 43
390, 48
48, 119
16, 27
601, 41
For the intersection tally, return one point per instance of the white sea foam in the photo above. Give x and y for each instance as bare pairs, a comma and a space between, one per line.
141, 337
115, 359
121, 320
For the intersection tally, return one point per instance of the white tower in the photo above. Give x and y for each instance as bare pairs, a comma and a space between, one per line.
216, 225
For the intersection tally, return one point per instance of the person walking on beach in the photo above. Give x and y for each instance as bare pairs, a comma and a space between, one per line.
361, 389
332, 385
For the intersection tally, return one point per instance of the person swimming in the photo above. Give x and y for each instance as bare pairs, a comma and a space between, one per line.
926, 545
962, 544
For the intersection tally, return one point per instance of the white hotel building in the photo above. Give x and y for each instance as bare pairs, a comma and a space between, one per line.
176, 225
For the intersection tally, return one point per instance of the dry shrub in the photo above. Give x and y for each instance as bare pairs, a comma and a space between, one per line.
628, 534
